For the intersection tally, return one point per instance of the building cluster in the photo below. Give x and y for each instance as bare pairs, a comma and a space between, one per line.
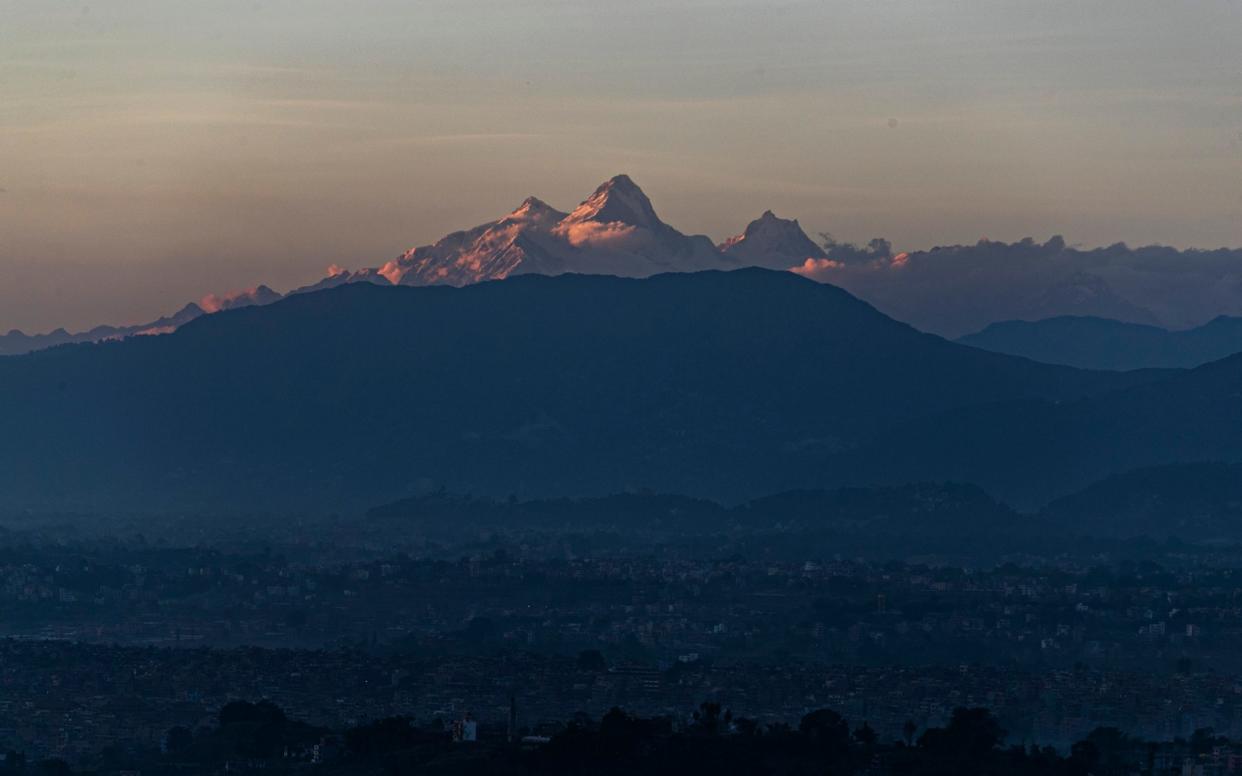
656, 609
110, 646
68, 699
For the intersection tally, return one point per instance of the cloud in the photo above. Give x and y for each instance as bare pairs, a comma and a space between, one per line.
336, 269
849, 253
393, 271
958, 289
614, 235
155, 331
213, 303
817, 269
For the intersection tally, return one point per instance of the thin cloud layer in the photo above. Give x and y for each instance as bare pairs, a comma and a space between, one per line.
959, 289
213, 303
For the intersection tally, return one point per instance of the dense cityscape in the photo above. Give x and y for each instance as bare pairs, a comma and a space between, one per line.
110, 643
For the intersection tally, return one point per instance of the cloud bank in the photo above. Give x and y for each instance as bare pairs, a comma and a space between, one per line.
959, 289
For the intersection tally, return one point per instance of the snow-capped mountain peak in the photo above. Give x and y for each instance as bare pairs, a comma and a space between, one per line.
618, 200
615, 231
772, 241
535, 210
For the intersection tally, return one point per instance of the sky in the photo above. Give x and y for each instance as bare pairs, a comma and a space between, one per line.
153, 151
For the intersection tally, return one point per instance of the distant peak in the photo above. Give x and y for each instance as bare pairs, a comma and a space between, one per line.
618, 199
772, 239
535, 209
621, 182
770, 219
532, 203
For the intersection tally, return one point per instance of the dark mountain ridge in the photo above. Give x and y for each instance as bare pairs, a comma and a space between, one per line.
1193, 502
713, 384
1189, 501
1100, 343
1028, 450
914, 519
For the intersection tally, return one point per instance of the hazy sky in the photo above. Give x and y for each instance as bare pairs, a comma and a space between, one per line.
152, 151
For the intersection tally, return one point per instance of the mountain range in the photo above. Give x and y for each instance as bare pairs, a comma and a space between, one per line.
1192, 502
720, 384
17, 342
1099, 343
951, 290
615, 231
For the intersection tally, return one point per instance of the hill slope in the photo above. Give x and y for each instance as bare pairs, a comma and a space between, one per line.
1024, 451
716, 384
1189, 501
1100, 343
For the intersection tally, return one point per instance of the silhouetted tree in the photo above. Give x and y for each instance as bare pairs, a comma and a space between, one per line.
1114, 750
707, 718
178, 739
908, 730
592, 660
382, 736
864, 735
827, 731
53, 767
971, 732
1084, 757
246, 713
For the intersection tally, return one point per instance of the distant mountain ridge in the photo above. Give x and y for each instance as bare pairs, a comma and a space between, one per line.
1098, 343
614, 231
951, 290
1193, 502
16, 342
918, 518
1025, 451
1190, 501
